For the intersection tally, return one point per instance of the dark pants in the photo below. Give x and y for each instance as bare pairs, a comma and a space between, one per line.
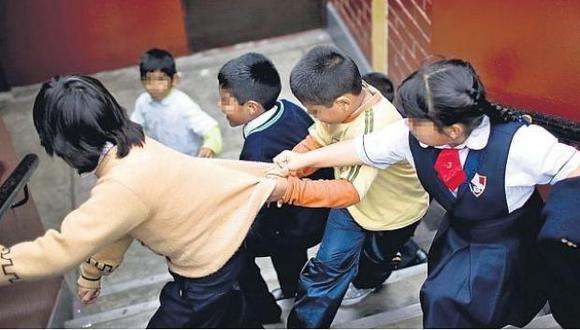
214, 301
345, 249
287, 265
288, 262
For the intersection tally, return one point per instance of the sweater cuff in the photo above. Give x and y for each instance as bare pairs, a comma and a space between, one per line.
90, 276
89, 283
213, 140
7, 273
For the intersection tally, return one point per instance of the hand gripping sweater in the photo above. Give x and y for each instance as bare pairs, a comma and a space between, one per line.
194, 211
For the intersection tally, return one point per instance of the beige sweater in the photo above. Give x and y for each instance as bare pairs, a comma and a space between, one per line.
194, 211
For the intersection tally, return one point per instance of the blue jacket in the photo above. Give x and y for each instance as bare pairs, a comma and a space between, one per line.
290, 225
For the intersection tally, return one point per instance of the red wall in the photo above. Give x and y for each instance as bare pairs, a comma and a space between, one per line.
44, 38
409, 36
357, 16
526, 52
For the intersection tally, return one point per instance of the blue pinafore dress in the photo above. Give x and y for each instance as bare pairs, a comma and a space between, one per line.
483, 263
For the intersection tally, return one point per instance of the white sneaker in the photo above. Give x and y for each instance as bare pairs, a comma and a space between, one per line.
354, 295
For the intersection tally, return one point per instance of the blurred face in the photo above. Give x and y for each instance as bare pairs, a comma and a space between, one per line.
237, 114
158, 84
428, 133
330, 115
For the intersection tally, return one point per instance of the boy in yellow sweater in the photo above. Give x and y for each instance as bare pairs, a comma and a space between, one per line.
147, 192
374, 211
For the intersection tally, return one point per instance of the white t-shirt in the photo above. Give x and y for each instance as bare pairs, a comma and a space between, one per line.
176, 121
535, 156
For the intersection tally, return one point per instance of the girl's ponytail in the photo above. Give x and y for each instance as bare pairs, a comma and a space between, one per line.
498, 113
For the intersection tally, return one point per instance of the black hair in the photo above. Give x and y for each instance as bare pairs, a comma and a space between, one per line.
75, 116
449, 92
382, 83
324, 74
253, 77
157, 60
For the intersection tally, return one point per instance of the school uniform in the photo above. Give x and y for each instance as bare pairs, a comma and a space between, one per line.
559, 242
213, 301
484, 267
283, 233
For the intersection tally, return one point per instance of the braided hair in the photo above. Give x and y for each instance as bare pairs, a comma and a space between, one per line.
449, 92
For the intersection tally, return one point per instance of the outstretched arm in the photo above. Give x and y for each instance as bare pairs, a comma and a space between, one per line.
109, 214
335, 155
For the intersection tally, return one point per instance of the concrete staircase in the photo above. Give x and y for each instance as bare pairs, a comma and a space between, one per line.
130, 304
131, 301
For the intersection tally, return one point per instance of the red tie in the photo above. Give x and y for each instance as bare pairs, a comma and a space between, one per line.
448, 168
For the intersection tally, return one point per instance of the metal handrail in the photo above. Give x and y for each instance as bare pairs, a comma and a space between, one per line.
17, 181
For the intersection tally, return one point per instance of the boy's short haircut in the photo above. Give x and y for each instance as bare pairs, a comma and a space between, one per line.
157, 60
253, 77
323, 75
382, 83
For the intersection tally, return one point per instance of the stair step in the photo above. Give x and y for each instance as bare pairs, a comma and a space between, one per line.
543, 322
124, 294
114, 316
400, 290
400, 318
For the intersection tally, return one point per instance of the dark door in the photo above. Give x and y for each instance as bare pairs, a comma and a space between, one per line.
217, 23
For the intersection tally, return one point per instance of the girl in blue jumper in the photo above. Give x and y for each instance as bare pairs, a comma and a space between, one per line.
481, 162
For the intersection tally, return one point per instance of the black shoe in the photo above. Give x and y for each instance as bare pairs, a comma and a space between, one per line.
410, 255
279, 294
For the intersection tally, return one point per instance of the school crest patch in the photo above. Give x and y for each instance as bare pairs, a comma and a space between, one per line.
477, 184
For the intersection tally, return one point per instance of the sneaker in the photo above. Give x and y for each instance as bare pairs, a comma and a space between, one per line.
354, 295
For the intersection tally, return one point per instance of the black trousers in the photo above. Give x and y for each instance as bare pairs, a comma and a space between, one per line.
214, 301
287, 265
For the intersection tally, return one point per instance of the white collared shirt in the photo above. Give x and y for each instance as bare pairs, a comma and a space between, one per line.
535, 156
259, 121
176, 121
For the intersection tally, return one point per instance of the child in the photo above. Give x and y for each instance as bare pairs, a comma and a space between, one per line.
195, 212
382, 83
410, 253
482, 168
373, 211
170, 116
249, 86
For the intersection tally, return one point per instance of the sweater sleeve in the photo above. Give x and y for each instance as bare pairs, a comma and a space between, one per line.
213, 140
102, 263
110, 213
320, 193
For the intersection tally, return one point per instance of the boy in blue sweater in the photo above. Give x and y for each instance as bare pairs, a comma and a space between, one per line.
249, 86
